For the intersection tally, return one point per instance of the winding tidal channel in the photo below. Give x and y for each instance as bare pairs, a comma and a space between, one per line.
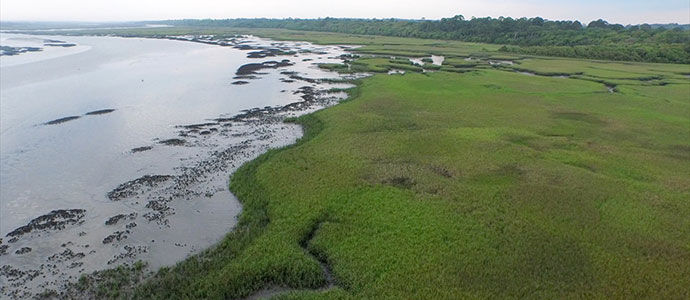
114, 150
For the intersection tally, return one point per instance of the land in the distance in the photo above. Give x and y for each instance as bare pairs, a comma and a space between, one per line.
664, 43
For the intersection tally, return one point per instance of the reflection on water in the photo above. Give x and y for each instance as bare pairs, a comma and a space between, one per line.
114, 110
39, 49
437, 59
434, 60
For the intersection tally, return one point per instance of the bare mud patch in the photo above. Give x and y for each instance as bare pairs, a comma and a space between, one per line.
54, 220
100, 112
173, 142
141, 149
254, 68
61, 120
134, 187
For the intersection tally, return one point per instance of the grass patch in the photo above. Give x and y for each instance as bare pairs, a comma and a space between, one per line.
442, 186
445, 185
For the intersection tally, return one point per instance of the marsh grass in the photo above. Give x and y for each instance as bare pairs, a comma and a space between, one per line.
451, 185
442, 186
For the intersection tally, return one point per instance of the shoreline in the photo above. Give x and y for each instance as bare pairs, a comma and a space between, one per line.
251, 221
260, 119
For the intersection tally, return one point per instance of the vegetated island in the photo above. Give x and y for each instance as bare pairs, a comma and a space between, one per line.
493, 175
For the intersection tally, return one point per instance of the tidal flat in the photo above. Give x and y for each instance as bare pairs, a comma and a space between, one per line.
117, 150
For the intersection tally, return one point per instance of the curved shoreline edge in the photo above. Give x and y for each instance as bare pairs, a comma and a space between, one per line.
167, 282
260, 127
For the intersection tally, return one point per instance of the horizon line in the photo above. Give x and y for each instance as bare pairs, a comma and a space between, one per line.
317, 18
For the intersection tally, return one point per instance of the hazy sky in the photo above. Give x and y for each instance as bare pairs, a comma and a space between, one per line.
615, 11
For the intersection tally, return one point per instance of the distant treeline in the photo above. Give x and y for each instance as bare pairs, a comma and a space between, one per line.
598, 39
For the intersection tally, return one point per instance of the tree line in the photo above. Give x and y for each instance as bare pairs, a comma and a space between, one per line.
598, 39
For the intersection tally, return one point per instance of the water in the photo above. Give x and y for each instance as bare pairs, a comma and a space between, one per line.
395, 71
501, 62
14, 40
154, 86
435, 60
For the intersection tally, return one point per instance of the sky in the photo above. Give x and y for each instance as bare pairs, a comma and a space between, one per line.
614, 11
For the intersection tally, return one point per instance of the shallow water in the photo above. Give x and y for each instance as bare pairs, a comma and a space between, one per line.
416, 61
47, 52
501, 62
153, 86
435, 60
526, 73
396, 71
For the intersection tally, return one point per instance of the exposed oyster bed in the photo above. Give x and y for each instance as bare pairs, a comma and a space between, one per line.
160, 213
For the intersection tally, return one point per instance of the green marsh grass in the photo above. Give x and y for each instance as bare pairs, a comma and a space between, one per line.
479, 185
488, 184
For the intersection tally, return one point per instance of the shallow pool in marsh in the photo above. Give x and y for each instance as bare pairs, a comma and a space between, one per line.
119, 149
